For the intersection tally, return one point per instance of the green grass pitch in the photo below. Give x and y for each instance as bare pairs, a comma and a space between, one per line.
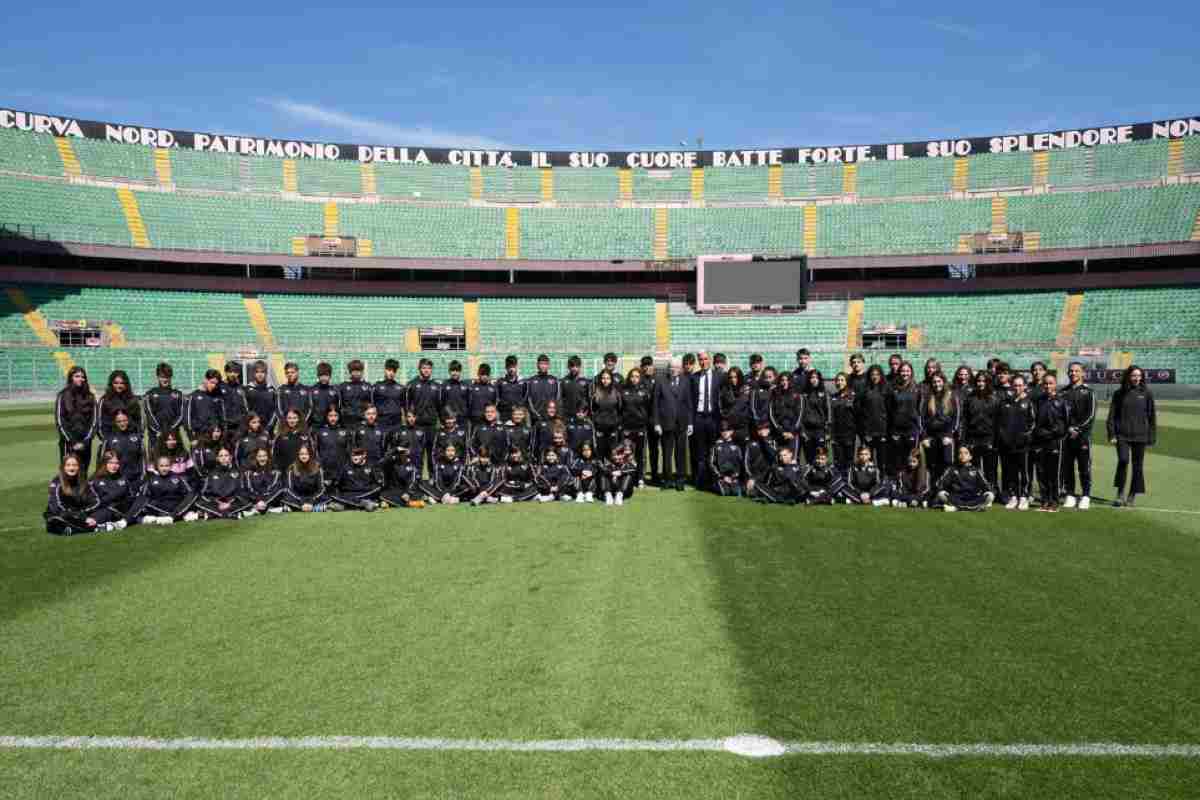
679, 616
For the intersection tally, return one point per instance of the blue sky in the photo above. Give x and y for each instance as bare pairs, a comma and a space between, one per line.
614, 77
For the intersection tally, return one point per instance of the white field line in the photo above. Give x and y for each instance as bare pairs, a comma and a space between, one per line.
758, 746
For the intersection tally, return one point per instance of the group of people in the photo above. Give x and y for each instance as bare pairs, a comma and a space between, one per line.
230, 450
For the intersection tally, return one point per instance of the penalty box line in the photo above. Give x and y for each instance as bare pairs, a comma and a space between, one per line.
745, 745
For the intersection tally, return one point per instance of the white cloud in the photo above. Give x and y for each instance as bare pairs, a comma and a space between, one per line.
383, 132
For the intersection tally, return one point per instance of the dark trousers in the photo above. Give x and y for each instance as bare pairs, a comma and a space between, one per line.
674, 452
606, 439
1135, 452
843, 454
879, 450
811, 443
1016, 474
84, 455
938, 458
899, 448
704, 433
1047, 457
654, 453
427, 448
1077, 454
987, 458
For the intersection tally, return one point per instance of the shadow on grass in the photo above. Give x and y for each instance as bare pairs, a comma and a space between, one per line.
37, 569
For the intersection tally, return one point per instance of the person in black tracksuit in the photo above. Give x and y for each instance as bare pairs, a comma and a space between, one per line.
451, 434
402, 480
857, 379
1077, 447
165, 498
865, 483
358, 484
541, 389
760, 458
726, 463
586, 470
170, 445
323, 395
649, 381
222, 495
518, 483
233, 402
118, 396
456, 396
332, 443
554, 480
262, 484
481, 394
488, 434
786, 481
580, 430
254, 438
71, 503
293, 395
904, 417
355, 395
260, 398
910, 486
163, 406
619, 475
941, 418
636, 403
873, 404
370, 437
128, 446
785, 412
606, 414
288, 441
409, 436
114, 494
448, 484
815, 413
424, 398
761, 388
204, 453
75, 418
735, 399
964, 486
1014, 432
543, 430
511, 390
205, 410
822, 481
387, 396
305, 485
1049, 430
1132, 426
576, 389
518, 432
980, 413
485, 478
893, 375
843, 422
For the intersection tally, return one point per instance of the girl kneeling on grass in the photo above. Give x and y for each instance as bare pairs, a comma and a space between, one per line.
865, 483
222, 493
115, 493
518, 478
620, 475
305, 483
69, 510
587, 474
911, 488
822, 480
166, 497
262, 485
964, 486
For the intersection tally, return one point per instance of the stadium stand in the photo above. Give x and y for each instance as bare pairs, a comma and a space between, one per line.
992, 171
425, 183
1147, 315
899, 228
29, 153
912, 178
970, 318
372, 322
623, 325
586, 233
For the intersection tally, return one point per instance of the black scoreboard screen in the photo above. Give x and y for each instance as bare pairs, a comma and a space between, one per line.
751, 281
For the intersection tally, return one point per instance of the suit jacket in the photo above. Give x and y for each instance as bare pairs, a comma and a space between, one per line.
674, 403
716, 378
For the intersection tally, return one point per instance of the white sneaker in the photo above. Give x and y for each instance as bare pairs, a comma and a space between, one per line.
106, 527
1070, 501
988, 499
949, 507
149, 520
1011, 505
566, 498
608, 498
166, 520
641, 484
897, 504
619, 499
191, 516
881, 503
506, 499
581, 498
277, 510
493, 500
1023, 505
120, 525
591, 497
1085, 503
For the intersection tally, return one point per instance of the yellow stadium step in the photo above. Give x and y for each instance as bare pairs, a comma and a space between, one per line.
625, 184
1058, 362
1033, 241
915, 338
367, 172
775, 181
962, 174
365, 248
162, 166
547, 184
999, 216
33, 317
116, 335
1068, 323
1041, 168
698, 185
964, 243
277, 363
476, 183
259, 321
217, 361
330, 215
412, 340
512, 233
64, 361
471, 325
1120, 359
299, 246
850, 179
1175, 157
661, 221
1196, 228
662, 328
289, 176
810, 230
70, 162
133, 218
854, 318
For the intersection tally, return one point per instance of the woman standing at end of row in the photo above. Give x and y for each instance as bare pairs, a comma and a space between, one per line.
1132, 427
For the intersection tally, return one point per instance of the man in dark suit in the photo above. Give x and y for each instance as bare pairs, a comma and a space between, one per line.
673, 415
706, 392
